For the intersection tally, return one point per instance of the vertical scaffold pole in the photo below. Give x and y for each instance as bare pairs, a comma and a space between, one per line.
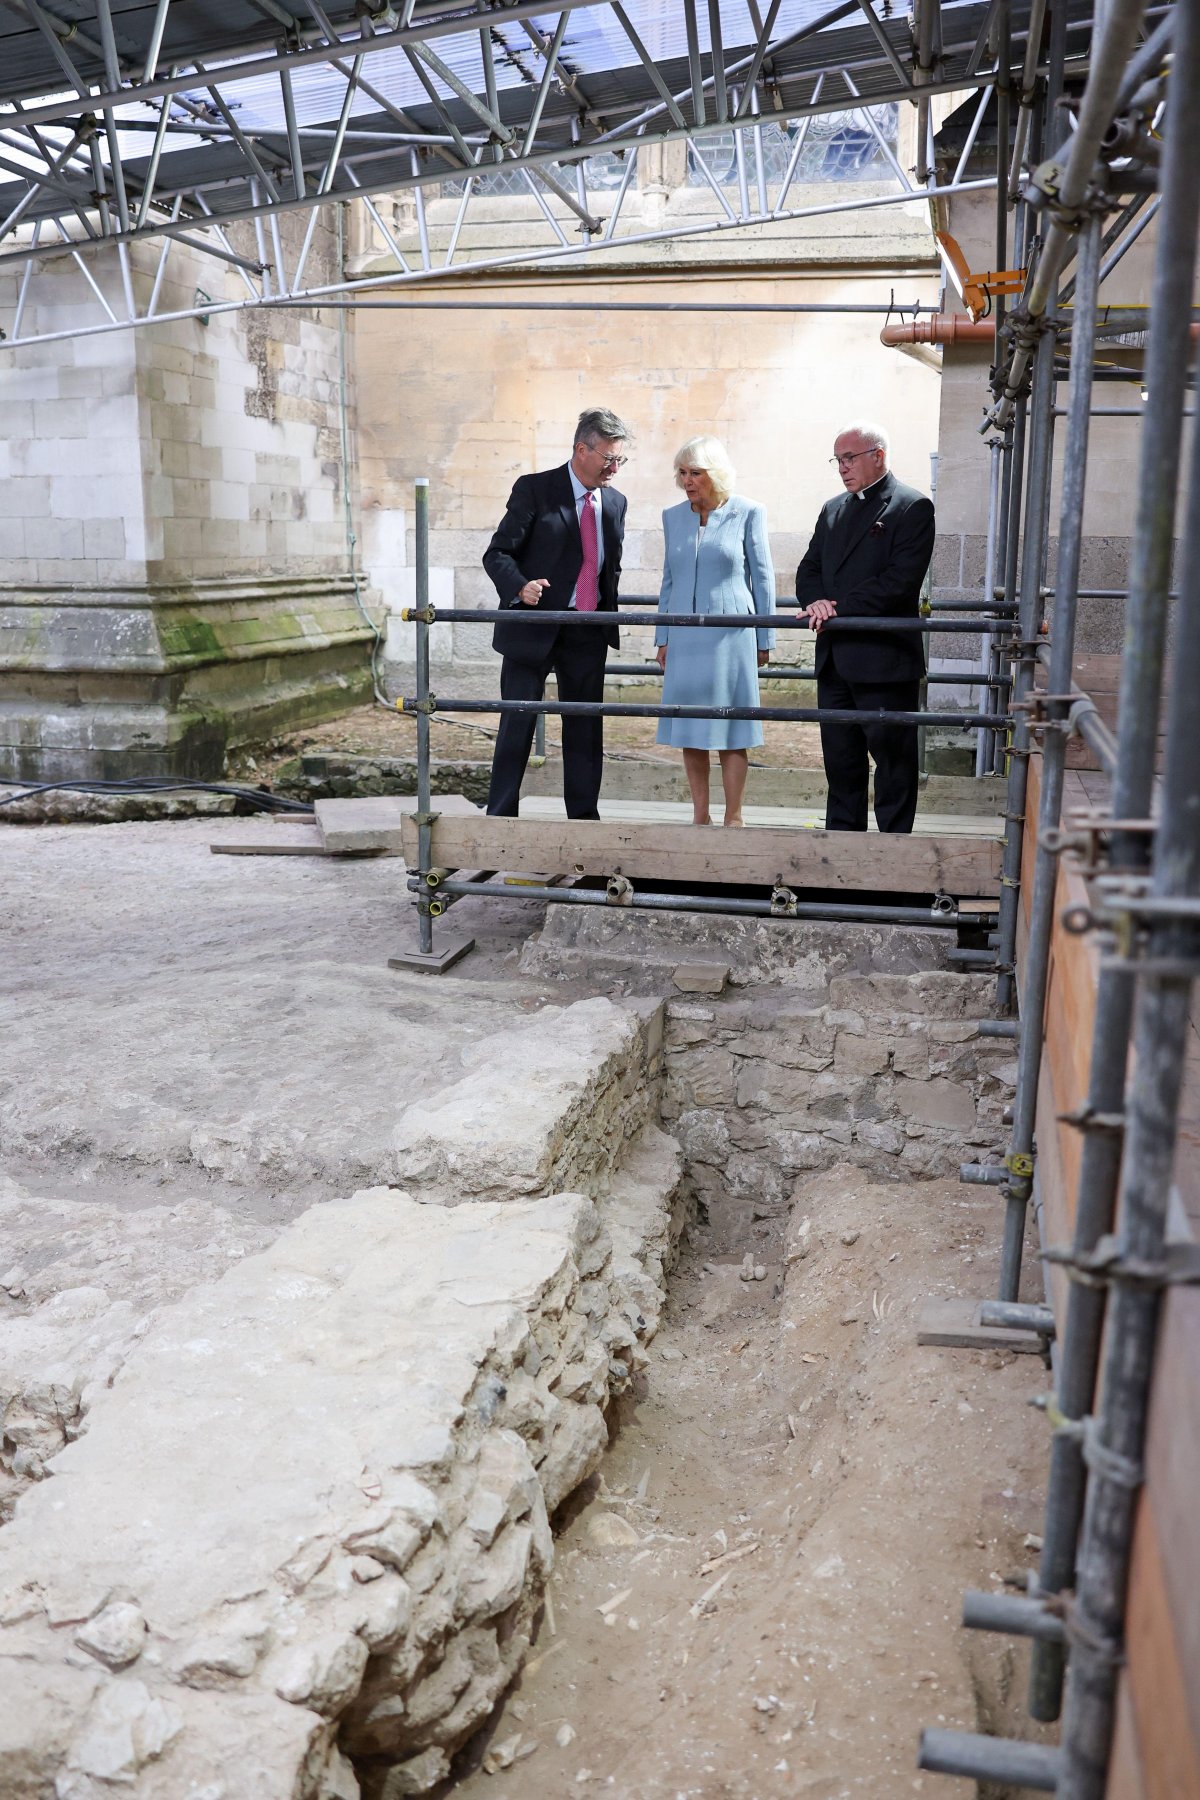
425, 878
1166, 375
1054, 755
424, 820
987, 661
1010, 511
1037, 489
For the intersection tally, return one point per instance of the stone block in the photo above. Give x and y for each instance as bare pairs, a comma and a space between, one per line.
25, 497
775, 1090
701, 978
860, 1055
577, 1096
910, 1056
705, 1075
948, 1104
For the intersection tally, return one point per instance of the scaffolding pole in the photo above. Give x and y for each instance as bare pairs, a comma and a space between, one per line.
1056, 724
1037, 494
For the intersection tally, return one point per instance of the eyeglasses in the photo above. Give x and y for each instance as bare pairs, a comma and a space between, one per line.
606, 462
842, 461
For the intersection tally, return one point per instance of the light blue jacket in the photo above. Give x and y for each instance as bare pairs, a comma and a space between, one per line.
733, 572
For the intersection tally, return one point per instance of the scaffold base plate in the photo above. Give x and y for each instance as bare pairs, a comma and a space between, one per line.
449, 952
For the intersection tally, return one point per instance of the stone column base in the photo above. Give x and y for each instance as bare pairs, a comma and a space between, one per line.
166, 679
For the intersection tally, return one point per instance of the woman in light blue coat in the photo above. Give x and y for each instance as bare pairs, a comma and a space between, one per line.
717, 560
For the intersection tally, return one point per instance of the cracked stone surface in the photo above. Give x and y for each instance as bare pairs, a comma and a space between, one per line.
315, 1501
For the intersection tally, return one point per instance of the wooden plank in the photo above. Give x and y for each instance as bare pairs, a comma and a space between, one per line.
1058, 1182
1173, 1474
954, 1325
1165, 1731
292, 840
1125, 1778
374, 821
861, 863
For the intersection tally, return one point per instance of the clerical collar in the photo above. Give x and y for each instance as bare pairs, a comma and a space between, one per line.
863, 492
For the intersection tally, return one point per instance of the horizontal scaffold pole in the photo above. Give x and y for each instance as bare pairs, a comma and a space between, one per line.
466, 615
812, 910
780, 715
964, 678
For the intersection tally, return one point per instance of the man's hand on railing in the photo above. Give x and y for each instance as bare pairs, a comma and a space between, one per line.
819, 611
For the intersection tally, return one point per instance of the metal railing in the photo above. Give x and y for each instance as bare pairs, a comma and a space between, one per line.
434, 889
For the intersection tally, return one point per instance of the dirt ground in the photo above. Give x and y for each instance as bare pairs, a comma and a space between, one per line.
374, 731
761, 1596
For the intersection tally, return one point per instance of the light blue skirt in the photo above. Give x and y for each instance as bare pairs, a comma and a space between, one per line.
711, 668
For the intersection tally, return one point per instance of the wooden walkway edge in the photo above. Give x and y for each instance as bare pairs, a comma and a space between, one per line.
859, 863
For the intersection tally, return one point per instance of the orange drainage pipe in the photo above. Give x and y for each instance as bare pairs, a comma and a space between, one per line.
939, 331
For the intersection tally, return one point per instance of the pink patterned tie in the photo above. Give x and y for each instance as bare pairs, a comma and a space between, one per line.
587, 595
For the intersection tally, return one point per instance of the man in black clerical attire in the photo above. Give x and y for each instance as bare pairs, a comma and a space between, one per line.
867, 560
558, 549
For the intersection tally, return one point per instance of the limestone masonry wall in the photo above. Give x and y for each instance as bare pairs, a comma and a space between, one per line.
286, 1533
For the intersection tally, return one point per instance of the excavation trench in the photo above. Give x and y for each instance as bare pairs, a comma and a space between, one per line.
331, 1289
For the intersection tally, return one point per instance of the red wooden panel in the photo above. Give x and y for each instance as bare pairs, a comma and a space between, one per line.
1125, 1780
1156, 1676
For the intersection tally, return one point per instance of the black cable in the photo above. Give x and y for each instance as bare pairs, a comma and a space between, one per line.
260, 798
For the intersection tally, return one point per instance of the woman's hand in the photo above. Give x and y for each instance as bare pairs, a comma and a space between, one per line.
764, 657
661, 655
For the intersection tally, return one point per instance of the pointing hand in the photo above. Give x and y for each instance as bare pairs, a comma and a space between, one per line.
531, 593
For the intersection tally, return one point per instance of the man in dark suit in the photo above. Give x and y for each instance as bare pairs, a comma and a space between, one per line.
867, 560
558, 547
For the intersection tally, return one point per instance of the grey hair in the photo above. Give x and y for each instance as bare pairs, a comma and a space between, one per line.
597, 422
873, 435
709, 454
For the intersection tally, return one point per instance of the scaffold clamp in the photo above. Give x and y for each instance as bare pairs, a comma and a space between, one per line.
619, 890
418, 615
1108, 1265
783, 902
1086, 1118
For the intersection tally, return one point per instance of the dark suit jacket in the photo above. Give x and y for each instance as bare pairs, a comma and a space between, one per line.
870, 556
539, 536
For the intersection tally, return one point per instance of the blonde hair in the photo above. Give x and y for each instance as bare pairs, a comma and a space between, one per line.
709, 454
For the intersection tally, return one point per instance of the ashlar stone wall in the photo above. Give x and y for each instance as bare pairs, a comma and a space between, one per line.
176, 570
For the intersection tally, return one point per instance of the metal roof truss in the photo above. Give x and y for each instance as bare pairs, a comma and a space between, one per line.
128, 120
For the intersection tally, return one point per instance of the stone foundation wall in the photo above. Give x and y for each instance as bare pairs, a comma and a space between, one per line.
315, 1490
890, 1074
827, 1044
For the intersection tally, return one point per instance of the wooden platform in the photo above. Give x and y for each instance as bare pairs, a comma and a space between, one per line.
861, 863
